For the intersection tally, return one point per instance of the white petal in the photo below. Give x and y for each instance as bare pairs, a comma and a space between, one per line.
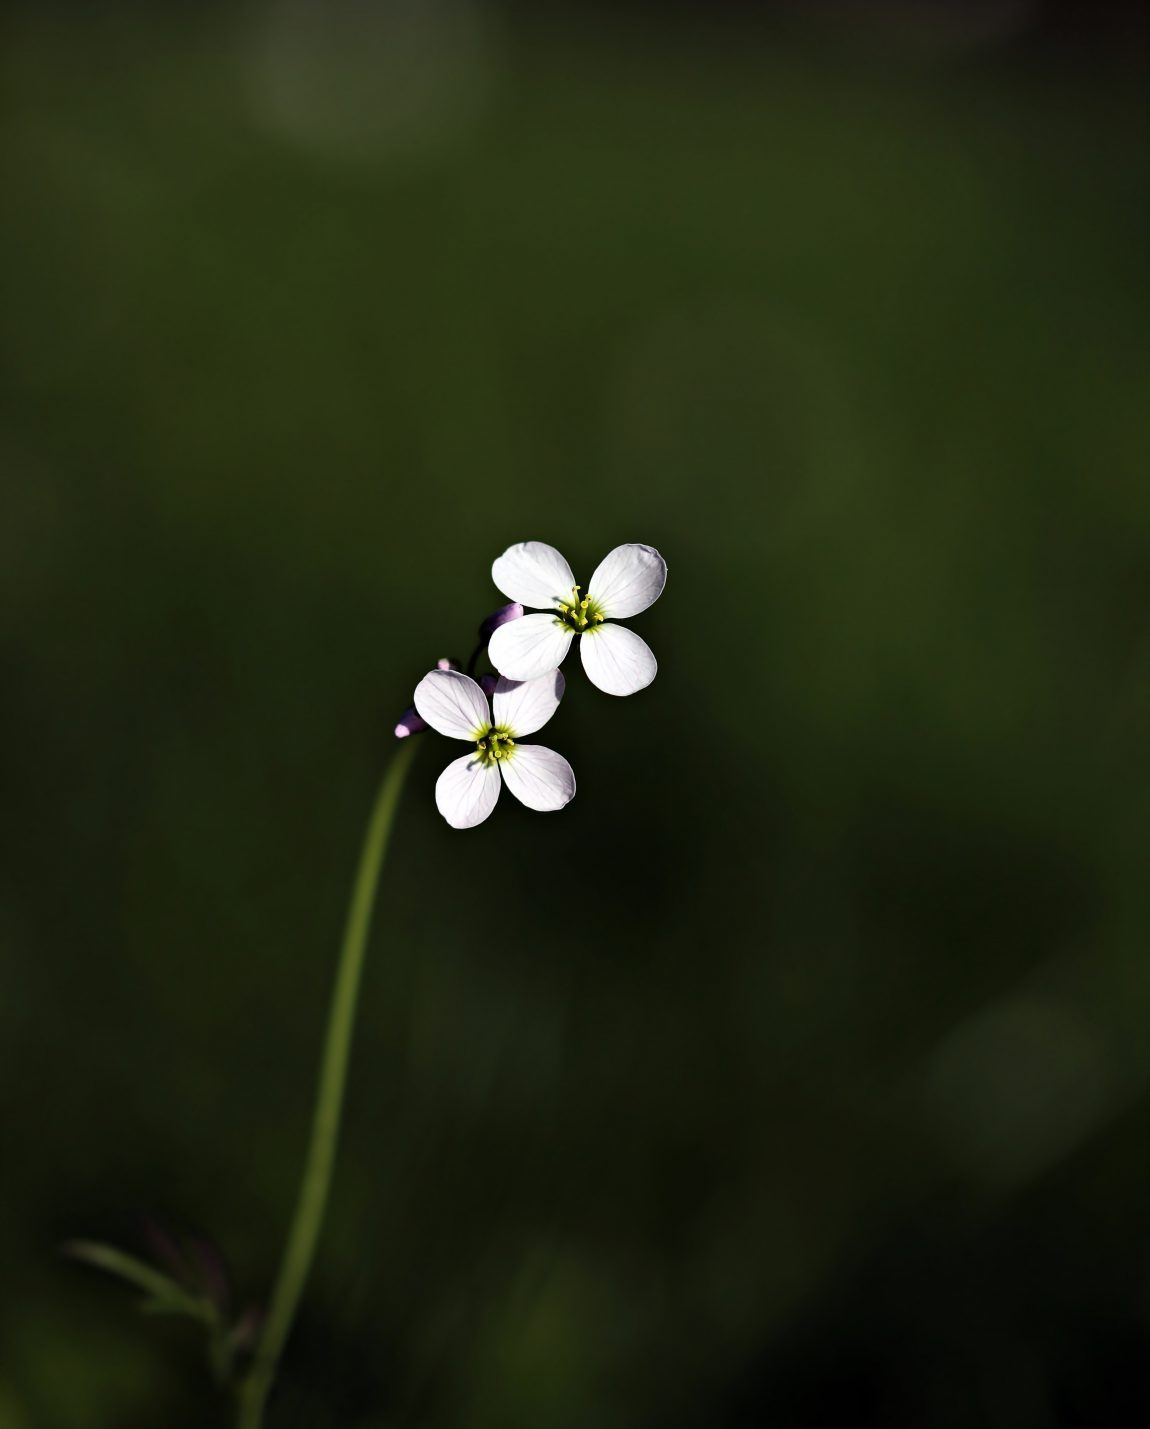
533, 574
628, 580
466, 791
525, 649
453, 704
617, 660
523, 706
539, 777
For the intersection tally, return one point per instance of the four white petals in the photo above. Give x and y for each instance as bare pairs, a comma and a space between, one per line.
527, 651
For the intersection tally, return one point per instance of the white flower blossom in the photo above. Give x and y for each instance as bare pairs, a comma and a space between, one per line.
455, 705
625, 582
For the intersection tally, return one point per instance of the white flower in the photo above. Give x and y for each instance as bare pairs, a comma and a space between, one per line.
625, 582
456, 706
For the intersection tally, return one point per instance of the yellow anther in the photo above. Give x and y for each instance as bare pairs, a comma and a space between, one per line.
583, 604
598, 617
582, 620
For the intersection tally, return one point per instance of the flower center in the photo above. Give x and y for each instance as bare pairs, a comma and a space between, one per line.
582, 613
495, 745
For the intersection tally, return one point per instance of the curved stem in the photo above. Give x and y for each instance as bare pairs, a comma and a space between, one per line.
313, 1193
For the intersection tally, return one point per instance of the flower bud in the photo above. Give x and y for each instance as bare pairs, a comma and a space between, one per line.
409, 723
497, 618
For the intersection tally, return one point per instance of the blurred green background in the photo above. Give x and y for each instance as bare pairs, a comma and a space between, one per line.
797, 1074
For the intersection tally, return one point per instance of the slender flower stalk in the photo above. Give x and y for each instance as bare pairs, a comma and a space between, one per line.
492, 712
313, 1193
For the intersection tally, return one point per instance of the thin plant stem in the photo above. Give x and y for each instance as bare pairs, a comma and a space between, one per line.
313, 1192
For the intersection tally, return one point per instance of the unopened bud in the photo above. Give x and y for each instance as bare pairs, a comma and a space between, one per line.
499, 617
409, 723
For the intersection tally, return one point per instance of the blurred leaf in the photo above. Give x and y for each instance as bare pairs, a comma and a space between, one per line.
164, 1295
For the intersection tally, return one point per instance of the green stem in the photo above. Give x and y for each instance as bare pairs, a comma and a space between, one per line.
313, 1192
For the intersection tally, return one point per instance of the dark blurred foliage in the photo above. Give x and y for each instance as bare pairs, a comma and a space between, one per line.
797, 1073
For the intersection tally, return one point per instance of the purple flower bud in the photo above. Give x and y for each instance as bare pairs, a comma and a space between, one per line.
164, 1249
212, 1273
246, 1330
497, 618
193, 1261
446, 664
409, 723
487, 684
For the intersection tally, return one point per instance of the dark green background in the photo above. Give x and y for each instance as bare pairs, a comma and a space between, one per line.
797, 1073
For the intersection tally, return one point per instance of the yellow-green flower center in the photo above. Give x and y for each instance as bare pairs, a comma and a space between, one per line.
582, 613
494, 745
